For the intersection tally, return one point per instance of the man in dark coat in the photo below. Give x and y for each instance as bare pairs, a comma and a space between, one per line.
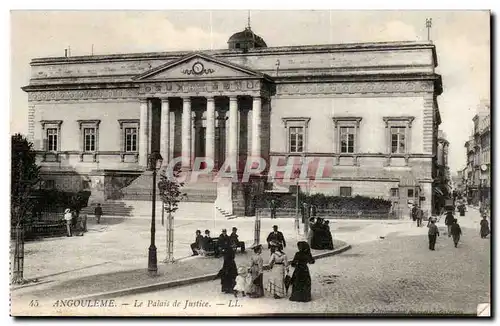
449, 221
456, 232
273, 208
223, 242
98, 213
235, 242
197, 244
275, 237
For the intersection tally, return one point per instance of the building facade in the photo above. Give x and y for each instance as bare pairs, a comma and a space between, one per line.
368, 111
478, 176
442, 180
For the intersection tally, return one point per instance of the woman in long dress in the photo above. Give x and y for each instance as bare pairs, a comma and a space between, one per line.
301, 279
228, 272
257, 270
279, 266
485, 228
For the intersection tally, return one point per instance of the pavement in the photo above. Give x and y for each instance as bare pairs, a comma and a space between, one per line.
396, 275
113, 256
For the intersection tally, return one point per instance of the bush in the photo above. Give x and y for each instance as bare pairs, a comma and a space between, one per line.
322, 201
54, 200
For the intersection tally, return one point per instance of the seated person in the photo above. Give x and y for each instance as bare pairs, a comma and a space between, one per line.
207, 243
197, 244
275, 238
235, 242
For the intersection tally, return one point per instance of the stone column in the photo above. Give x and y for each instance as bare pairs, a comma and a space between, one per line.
165, 131
150, 125
210, 131
186, 132
233, 129
256, 126
143, 134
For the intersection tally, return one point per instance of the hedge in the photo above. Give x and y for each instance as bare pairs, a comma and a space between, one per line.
322, 201
54, 200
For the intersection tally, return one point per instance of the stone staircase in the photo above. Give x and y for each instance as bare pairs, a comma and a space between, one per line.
203, 190
111, 208
227, 215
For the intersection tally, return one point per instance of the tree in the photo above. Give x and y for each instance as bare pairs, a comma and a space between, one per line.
24, 177
171, 195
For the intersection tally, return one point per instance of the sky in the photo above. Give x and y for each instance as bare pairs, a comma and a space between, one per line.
462, 40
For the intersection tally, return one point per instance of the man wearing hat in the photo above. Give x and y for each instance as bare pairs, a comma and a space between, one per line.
276, 237
224, 241
68, 217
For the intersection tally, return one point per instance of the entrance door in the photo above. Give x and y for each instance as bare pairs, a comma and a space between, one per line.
201, 152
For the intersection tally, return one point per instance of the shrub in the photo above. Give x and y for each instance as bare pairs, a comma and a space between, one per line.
322, 201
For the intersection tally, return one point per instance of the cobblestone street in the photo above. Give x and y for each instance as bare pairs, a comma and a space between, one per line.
396, 275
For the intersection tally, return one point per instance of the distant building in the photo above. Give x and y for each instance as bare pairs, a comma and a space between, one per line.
442, 181
477, 173
369, 109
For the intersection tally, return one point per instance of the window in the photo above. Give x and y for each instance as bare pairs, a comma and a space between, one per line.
347, 139
89, 136
296, 134
89, 139
129, 134
345, 191
296, 140
398, 131
237, 46
52, 135
52, 129
346, 131
398, 140
410, 192
394, 192
130, 139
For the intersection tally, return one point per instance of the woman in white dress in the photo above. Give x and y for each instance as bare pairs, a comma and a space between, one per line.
279, 267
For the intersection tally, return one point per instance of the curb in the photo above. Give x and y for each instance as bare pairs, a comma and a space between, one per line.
186, 281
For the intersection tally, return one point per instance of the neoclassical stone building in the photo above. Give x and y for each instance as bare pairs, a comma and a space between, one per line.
368, 109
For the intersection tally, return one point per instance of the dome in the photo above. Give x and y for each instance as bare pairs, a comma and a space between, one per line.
246, 40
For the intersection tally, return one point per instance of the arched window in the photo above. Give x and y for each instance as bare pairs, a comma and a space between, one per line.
237, 46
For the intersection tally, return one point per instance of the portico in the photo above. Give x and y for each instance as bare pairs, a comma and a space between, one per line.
215, 117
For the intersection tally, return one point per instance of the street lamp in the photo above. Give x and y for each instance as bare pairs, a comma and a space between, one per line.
155, 163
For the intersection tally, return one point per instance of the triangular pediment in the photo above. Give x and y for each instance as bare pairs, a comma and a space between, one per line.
198, 66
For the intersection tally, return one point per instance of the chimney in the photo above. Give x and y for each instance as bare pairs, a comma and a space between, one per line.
66, 53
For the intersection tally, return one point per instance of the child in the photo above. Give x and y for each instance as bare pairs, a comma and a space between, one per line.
242, 281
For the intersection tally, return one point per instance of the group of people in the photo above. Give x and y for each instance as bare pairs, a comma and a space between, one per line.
453, 229
249, 280
205, 244
319, 236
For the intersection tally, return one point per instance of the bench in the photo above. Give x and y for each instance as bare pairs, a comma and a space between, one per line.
215, 244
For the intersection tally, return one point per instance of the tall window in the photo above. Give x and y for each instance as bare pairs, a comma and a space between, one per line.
130, 139
52, 139
398, 140
394, 192
347, 135
398, 133
89, 138
296, 136
345, 191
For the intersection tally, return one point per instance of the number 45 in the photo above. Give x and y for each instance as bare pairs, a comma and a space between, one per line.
34, 303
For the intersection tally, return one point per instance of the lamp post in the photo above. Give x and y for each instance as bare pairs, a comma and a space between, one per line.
155, 162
